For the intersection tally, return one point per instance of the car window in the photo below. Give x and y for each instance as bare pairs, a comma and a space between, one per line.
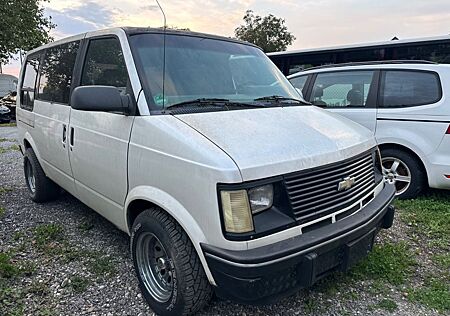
342, 89
299, 82
29, 82
56, 73
401, 88
104, 64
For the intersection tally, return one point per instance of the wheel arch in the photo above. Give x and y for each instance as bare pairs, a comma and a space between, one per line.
407, 150
141, 198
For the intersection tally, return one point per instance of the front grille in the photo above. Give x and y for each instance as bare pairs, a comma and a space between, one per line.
314, 193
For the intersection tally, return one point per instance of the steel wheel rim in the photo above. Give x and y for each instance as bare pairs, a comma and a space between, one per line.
31, 180
154, 267
397, 172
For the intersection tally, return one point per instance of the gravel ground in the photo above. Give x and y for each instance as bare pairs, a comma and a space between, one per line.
85, 267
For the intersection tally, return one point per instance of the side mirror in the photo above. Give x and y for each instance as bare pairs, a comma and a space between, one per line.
99, 98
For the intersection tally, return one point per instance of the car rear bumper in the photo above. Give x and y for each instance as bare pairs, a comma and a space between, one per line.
264, 274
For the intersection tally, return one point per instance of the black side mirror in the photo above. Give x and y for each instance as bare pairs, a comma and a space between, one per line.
99, 98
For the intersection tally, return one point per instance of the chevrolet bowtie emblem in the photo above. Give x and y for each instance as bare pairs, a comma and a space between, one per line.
346, 183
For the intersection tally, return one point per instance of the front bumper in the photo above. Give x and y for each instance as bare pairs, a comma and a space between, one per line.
263, 274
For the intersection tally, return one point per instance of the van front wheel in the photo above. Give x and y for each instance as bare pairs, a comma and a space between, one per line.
170, 274
41, 188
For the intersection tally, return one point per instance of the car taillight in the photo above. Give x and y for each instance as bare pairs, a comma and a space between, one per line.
448, 130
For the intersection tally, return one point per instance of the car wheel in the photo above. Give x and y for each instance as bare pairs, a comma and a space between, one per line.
170, 274
41, 188
404, 171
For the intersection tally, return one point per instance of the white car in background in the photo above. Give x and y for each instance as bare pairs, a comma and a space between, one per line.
403, 103
8, 84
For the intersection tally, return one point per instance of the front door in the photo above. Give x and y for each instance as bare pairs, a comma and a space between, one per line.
350, 93
98, 141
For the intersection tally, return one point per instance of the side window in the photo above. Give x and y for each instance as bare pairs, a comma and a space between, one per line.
105, 65
342, 89
299, 82
56, 73
27, 89
403, 88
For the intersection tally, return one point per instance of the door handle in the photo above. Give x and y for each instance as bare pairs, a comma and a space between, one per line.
64, 136
72, 132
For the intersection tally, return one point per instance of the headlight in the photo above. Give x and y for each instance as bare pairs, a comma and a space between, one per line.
261, 198
236, 211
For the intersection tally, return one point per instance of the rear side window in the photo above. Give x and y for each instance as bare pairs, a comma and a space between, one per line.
403, 88
27, 90
342, 89
56, 73
299, 82
105, 65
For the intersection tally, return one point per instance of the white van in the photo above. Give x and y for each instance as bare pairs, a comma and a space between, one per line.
198, 147
403, 103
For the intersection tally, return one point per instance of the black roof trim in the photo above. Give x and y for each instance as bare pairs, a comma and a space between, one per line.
375, 62
143, 30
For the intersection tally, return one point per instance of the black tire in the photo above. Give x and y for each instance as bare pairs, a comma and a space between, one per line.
418, 174
44, 189
190, 288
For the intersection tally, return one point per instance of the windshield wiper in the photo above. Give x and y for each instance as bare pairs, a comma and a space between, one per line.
279, 98
215, 102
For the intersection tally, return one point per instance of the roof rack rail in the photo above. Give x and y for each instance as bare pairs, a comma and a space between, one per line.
375, 62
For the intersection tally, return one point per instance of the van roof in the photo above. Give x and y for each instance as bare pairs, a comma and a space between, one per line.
137, 30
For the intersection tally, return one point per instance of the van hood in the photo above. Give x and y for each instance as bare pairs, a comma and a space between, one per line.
275, 141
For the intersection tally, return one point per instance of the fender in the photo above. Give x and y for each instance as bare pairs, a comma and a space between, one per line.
177, 211
27, 136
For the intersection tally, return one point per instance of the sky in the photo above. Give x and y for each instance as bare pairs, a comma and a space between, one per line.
315, 23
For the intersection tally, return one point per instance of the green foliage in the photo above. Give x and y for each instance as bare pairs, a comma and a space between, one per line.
79, 284
386, 304
389, 262
429, 217
48, 233
435, 294
7, 269
269, 32
23, 27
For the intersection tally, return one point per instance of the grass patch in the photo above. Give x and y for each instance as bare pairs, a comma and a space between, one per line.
39, 289
4, 190
443, 261
79, 284
8, 124
385, 304
2, 212
389, 262
11, 300
10, 148
86, 225
4, 140
435, 294
48, 233
428, 216
102, 266
7, 268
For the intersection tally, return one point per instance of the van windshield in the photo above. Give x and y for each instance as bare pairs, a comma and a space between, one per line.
198, 68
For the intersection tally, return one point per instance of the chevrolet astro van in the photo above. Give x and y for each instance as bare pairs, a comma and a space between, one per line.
202, 151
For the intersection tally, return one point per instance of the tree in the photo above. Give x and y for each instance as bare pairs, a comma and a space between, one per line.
267, 32
23, 27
